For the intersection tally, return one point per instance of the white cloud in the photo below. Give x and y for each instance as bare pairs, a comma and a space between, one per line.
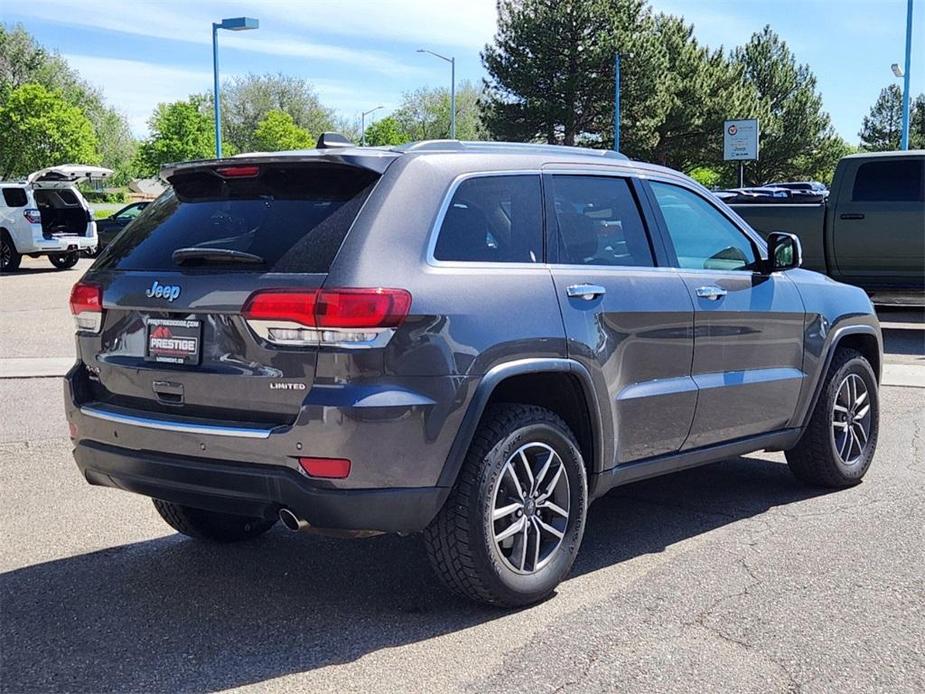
135, 87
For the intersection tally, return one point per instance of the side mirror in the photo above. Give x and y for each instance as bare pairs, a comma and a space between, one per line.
784, 251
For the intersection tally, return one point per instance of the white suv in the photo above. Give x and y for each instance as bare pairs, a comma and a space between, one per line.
47, 215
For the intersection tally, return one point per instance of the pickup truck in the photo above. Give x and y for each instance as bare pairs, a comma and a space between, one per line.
869, 232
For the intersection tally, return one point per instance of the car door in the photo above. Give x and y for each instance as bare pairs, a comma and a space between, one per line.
881, 205
628, 320
748, 325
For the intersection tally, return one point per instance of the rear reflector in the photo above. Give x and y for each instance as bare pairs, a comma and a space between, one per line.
334, 317
330, 468
87, 306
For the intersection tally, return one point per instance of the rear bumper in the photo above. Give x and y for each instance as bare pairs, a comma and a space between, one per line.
61, 244
256, 490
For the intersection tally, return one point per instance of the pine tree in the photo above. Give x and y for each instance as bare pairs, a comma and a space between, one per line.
917, 123
797, 138
882, 127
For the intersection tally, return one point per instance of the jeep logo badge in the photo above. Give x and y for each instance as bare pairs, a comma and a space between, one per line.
163, 291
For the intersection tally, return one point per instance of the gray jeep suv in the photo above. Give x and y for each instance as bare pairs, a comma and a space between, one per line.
468, 340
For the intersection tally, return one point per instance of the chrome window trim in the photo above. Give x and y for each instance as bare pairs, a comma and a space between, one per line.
174, 426
445, 205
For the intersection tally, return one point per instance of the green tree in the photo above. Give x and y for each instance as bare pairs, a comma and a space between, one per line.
917, 123
424, 114
40, 128
247, 99
386, 131
700, 89
881, 128
551, 73
796, 133
180, 131
277, 132
706, 176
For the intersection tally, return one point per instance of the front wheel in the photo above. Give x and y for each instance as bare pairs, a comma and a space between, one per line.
839, 443
64, 261
510, 529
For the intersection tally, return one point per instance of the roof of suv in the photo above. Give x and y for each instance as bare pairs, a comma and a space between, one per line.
379, 158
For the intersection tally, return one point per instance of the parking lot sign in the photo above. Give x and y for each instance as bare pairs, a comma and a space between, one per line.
740, 140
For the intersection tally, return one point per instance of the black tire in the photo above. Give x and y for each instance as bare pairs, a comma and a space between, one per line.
210, 525
460, 541
10, 258
64, 261
815, 459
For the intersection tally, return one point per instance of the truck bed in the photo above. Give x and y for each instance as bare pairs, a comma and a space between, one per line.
807, 221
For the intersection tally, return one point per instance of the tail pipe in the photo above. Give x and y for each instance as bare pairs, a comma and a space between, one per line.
292, 521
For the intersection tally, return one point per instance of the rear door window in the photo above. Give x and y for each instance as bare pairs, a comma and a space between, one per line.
293, 218
893, 180
599, 222
493, 219
14, 197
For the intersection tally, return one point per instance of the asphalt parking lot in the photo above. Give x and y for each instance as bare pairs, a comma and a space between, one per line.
730, 577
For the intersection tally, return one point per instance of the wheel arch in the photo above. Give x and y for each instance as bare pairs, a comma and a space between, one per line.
533, 381
864, 338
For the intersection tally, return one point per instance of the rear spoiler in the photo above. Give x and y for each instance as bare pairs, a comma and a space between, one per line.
369, 158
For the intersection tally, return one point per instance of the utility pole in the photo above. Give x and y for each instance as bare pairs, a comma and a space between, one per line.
904, 139
616, 102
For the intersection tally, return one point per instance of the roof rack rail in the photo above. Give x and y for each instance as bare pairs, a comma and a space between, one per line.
526, 147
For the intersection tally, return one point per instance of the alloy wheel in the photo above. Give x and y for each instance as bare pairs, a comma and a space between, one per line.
531, 508
851, 419
6, 255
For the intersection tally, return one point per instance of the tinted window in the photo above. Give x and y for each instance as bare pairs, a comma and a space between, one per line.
14, 197
703, 238
599, 222
496, 219
130, 212
67, 196
893, 180
295, 218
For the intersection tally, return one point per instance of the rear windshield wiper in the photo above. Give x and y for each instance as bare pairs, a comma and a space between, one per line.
213, 255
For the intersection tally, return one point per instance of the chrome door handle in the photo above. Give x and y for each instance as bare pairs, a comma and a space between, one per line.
711, 292
585, 291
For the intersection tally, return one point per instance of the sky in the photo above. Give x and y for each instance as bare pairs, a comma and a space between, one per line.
360, 54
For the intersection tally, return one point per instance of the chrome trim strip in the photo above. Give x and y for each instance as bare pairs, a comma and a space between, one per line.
181, 427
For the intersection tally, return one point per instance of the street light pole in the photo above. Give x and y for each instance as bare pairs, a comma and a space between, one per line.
616, 103
452, 62
234, 24
363, 124
904, 139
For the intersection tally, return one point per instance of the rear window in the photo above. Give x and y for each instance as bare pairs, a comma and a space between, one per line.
293, 217
14, 197
893, 180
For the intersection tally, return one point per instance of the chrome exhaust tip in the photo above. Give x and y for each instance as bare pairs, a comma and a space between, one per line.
292, 521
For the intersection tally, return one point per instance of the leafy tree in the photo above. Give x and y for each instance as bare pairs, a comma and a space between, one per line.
796, 133
424, 114
41, 129
23, 60
247, 99
706, 176
386, 131
882, 127
180, 131
277, 132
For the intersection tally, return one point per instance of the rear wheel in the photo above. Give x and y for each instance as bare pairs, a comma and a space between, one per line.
210, 525
64, 261
510, 529
9, 257
839, 443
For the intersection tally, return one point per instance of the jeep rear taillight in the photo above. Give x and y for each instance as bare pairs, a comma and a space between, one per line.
87, 306
356, 318
32, 216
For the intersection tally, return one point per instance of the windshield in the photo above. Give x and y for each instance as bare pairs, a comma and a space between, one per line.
294, 218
